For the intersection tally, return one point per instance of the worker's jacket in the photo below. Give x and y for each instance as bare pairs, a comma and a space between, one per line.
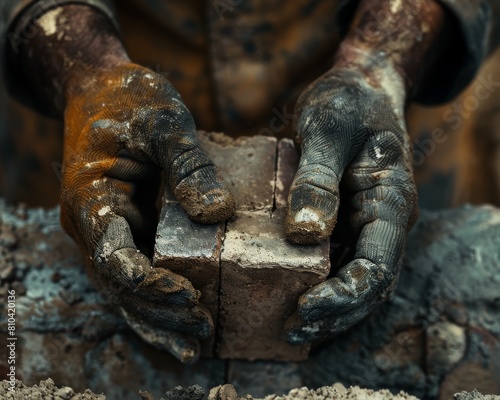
241, 64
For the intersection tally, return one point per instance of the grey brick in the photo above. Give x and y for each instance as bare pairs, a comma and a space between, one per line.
248, 166
193, 251
261, 273
262, 277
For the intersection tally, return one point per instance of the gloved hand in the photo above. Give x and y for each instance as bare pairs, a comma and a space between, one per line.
350, 127
122, 128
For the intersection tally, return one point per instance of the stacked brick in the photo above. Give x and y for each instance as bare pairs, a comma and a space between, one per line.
250, 276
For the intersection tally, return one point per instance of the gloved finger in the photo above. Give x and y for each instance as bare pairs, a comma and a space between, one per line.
133, 276
183, 347
326, 148
192, 176
194, 321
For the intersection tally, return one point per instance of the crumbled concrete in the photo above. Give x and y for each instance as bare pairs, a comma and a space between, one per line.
45, 390
474, 395
335, 392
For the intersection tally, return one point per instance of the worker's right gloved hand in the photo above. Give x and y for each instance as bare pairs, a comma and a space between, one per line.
350, 127
356, 151
123, 126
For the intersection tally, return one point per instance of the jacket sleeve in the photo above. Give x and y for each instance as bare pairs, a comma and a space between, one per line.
17, 27
478, 23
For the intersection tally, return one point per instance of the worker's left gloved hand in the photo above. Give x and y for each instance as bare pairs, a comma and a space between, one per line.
123, 126
350, 127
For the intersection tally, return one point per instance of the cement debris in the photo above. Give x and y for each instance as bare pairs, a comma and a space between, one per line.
47, 390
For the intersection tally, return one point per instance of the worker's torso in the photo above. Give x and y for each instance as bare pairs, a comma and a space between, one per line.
239, 64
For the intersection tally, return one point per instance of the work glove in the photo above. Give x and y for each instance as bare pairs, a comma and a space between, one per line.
123, 127
350, 127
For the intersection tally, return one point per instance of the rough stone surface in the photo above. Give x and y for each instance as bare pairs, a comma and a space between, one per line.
247, 165
45, 390
445, 346
474, 395
193, 251
262, 277
337, 392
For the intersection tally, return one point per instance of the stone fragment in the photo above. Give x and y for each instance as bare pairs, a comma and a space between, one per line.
8, 239
223, 392
194, 392
474, 395
445, 346
146, 395
7, 272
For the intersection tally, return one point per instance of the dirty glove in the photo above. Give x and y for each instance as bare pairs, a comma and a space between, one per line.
351, 127
122, 128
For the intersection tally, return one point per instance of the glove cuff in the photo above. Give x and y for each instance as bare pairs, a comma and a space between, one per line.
16, 29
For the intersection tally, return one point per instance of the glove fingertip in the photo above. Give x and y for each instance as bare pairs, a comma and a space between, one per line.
189, 355
183, 347
307, 226
294, 330
294, 337
206, 326
210, 207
